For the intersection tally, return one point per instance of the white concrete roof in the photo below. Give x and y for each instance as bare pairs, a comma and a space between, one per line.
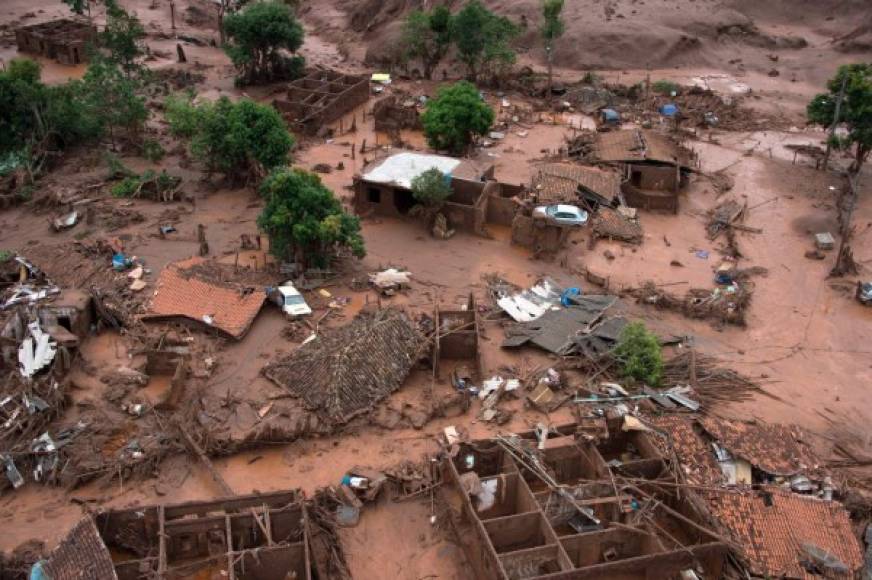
402, 168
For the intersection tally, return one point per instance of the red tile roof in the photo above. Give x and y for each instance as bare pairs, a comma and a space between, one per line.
773, 448
694, 451
637, 145
772, 536
180, 294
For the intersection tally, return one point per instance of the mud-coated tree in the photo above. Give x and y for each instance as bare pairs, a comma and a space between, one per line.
256, 37
242, 139
304, 220
855, 111
483, 40
552, 29
455, 116
427, 36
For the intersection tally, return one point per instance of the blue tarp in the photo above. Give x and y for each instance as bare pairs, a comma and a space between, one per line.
610, 115
669, 110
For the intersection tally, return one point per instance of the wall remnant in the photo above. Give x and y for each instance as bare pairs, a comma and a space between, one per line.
65, 40
321, 97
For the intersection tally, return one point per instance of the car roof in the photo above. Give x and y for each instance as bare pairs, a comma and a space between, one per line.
567, 208
288, 289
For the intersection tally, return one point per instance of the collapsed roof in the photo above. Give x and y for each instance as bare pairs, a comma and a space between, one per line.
81, 555
182, 292
639, 146
779, 531
566, 182
342, 374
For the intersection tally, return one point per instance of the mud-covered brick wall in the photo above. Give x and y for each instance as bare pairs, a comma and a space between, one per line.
654, 177
650, 200
456, 343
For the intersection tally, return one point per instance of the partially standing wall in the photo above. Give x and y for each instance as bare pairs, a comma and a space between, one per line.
64, 40
321, 97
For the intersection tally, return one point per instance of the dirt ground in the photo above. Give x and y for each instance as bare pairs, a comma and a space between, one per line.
806, 339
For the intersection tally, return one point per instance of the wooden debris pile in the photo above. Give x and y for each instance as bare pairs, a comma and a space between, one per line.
723, 305
712, 383
343, 374
608, 223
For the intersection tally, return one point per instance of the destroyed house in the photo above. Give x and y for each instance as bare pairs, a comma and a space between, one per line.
65, 40
786, 535
655, 167
476, 200
568, 183
343, 373
184, 294
565, 508
320, 98
253, 537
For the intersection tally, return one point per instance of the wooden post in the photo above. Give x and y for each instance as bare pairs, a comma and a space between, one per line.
173, 16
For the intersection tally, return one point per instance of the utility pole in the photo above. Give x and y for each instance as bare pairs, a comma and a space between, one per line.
835, 120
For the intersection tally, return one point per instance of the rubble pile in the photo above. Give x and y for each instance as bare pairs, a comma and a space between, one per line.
720, 305
342, 374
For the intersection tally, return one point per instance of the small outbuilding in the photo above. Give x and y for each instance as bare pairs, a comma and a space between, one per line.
65, 40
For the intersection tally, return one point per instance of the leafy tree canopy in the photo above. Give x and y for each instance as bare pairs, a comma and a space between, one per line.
455, 116
639, 353
856, 110
122, 38
257, 35
427, 36
552, 24
431, 188
304, 220
232, 137
483, 39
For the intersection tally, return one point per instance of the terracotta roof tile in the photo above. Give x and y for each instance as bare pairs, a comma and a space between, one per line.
232, 307
638, 145
773, 448
772, 531
559, 182
693, 450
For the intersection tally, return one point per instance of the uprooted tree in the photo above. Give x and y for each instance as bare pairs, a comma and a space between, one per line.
455, 116
855, 111
427, 36
256, 38
304, 220
244, 140
639, 354
483, 41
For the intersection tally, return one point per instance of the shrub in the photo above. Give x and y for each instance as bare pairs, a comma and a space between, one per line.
431, 188
639, 354
256, 37
665, 87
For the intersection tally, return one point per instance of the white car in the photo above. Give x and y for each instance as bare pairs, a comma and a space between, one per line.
290, 300
564, 215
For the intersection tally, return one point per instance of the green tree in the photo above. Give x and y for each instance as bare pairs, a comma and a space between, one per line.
431, 188
552, 29
36, 119
483, 40
427, 36
79, 6
111, 95
455, 116
257, 35
639, 353
855, 112
304, 220
241, 139
122, 38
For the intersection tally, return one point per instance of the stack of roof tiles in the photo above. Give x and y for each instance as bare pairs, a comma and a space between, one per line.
227, 307
775, 528
342, 374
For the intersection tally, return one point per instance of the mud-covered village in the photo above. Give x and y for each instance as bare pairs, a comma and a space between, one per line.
435, 289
